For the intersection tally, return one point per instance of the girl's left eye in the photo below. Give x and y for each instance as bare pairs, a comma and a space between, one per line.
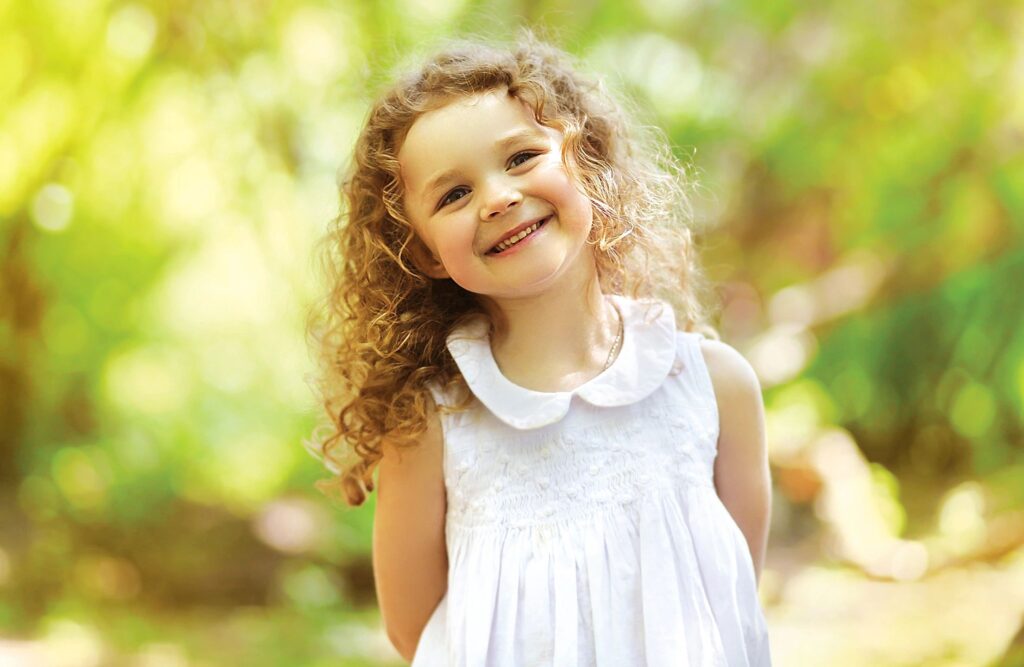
525, 155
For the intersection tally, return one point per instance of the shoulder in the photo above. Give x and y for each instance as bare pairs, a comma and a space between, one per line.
738, 395
741, 411
731, 374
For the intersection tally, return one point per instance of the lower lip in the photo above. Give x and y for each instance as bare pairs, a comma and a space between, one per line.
526, 241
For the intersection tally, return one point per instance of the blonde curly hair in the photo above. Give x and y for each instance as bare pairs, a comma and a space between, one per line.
380, 330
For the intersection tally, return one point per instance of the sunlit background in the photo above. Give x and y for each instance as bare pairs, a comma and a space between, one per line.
165, 168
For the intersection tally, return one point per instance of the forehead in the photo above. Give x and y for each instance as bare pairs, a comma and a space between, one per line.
457, 131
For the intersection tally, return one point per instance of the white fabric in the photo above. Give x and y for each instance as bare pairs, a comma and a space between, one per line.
583, 527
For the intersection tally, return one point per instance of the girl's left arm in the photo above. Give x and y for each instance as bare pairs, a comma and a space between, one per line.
742, 475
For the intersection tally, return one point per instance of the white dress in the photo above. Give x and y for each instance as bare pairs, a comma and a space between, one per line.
583, 527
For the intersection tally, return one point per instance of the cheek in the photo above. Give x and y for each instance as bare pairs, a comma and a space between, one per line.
554, 178
584, 220
569, 196
456, 243
552, 171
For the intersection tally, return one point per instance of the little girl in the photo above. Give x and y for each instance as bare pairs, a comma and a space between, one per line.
570, 473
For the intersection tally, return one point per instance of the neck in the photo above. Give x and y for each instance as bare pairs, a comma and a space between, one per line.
558, 340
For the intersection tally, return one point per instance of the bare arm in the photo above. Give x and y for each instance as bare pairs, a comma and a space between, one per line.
742, 475
410, 561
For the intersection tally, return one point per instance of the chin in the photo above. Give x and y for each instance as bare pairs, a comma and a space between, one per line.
536, 283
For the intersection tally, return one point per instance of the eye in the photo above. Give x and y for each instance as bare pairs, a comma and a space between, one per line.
449, 198
525, 155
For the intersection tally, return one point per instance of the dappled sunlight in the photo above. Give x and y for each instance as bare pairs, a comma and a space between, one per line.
151, 380
315, 43
781, 353
191, 192
845, 288
668, 71
861, 507
224, 287
962, 518
68, 643
241, 469
52, 207
794, 417
973, 411
35, 129
107, 577
433, 16
957, 617
292, 525
160, 654
131, 31
83, 476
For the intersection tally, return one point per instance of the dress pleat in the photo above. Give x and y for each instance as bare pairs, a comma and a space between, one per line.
481, 603
718, 567
535, 614
704, 648
566, 626
662, 614
623, 563
599, 580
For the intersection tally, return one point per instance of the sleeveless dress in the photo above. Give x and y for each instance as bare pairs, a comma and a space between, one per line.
583, 527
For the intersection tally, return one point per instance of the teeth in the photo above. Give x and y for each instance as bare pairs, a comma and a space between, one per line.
508, 243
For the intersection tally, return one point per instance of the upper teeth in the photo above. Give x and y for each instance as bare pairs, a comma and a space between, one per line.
512, 240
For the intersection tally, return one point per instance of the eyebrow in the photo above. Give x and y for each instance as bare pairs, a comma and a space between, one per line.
502, 145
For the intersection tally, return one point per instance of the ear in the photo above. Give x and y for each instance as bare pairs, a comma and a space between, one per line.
424, 260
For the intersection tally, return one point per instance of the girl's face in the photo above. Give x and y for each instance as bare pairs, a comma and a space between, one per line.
479, 170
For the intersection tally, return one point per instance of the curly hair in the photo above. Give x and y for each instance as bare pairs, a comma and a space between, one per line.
380, 330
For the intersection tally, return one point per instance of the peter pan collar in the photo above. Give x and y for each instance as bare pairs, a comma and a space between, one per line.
647, 355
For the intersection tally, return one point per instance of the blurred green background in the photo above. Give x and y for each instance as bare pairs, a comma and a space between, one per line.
165, 168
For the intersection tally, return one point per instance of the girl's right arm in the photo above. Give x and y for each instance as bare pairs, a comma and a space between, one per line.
410, 561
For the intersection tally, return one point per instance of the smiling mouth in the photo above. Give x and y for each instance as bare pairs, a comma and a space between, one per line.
519, 238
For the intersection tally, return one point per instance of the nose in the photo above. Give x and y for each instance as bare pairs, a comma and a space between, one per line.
499, 201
